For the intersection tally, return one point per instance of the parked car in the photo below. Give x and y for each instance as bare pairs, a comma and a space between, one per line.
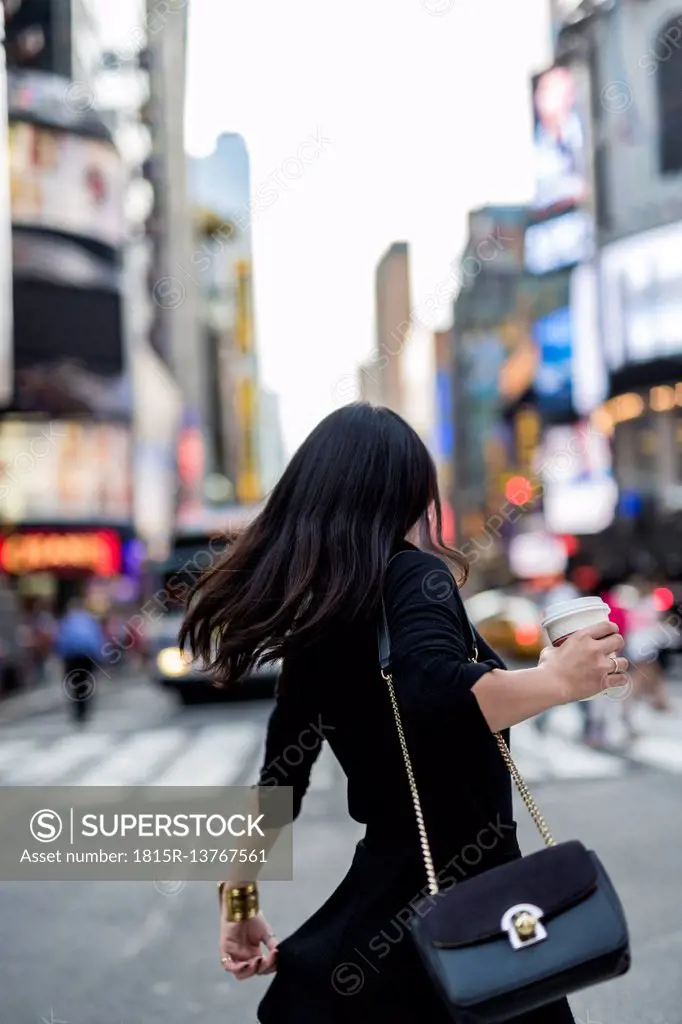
172, 669
511, 624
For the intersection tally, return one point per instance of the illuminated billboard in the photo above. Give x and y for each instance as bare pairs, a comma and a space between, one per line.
560, 242
64, 182
580, 494
641, 285
553, 336
560, 142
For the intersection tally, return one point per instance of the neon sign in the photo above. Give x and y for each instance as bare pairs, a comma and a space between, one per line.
98, 552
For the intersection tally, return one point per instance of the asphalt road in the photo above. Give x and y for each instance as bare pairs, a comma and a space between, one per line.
136, 953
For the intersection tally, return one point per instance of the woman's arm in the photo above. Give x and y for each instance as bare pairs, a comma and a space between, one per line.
294, 739
579, 669
508, 697
431, 655
293, 743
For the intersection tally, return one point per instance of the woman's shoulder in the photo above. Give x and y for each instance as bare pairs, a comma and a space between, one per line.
417, 577
411, 564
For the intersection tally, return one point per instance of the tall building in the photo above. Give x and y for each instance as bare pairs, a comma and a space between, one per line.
443, 443
111, 57
490, 372
393, 323
220, 186
68, 418
630, 297
81, 309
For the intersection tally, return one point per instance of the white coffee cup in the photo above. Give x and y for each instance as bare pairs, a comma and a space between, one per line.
567, 617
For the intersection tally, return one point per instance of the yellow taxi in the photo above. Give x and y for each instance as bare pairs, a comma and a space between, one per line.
509, 623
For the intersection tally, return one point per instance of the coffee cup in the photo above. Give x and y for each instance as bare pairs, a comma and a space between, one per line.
567, 617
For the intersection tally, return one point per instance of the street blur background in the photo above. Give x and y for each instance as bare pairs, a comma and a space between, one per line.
219, 221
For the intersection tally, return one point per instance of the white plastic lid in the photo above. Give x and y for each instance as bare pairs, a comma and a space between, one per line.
578, 604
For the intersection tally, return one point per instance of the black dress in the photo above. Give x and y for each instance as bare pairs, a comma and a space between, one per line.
353, 959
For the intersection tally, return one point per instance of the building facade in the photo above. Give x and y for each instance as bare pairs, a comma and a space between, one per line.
382, 376
636, 58
220, 185
488, 372
69, 431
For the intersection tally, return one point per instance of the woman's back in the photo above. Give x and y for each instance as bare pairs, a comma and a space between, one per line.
335, 692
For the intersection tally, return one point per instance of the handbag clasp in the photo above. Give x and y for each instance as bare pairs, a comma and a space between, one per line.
522, 925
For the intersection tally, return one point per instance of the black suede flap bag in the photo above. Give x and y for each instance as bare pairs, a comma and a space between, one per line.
520, 935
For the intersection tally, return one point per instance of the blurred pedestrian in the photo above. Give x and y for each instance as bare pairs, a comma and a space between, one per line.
646, 635
80, 641
671, 637
612, 595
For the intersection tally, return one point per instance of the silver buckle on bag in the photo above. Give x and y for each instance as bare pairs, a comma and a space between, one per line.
522, 925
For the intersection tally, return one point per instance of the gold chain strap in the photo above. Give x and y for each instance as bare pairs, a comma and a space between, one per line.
421, 825
526, 795
517, 778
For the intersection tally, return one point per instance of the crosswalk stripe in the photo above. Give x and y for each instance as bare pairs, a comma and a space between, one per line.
657, 752
133, 762
565, 721
571, 761
215, 758
57, 761
551, 756
14, 750
218, 752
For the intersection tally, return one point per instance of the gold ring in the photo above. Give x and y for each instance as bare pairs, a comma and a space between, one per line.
616, 670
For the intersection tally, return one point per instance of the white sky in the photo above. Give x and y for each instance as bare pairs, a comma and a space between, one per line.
429, 116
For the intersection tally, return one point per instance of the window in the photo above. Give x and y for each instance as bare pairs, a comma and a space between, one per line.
668, 52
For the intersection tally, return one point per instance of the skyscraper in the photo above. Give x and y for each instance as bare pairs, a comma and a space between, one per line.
393, 321
220, 183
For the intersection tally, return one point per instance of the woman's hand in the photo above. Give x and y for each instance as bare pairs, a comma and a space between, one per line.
584, 664
240, 947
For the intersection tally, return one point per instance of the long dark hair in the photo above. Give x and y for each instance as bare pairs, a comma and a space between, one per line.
315, 556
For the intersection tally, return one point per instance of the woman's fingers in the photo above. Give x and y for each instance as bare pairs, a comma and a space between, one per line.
234, 956
609, 666
230, 964
241, 969
611, 644
248, 970
268, 962
241, 947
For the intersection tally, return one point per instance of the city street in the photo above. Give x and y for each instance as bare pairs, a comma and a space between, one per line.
142, 953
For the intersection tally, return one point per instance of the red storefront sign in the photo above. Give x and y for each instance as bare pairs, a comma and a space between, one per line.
61, 552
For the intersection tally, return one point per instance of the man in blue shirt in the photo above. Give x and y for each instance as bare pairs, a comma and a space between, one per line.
80, 641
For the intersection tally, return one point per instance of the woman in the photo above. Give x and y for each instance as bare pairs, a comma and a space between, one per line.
304, 583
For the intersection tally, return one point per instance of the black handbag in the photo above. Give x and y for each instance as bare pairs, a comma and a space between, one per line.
521, 935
